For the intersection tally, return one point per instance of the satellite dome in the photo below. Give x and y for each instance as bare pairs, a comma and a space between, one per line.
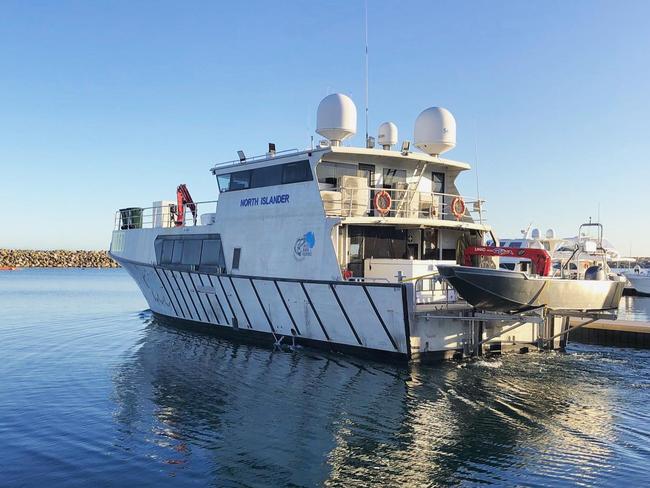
550, 234
435, 131
387, 136
336, 119
535, 234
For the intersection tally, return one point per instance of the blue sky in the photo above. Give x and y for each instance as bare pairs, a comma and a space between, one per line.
112, 104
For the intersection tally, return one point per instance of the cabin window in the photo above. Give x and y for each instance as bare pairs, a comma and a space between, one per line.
266, 176
167, 251
178, 252
331, 172
236, 254
296, 172
240, 180
438, 182
394, 176
191, 252
211, 253
515, 244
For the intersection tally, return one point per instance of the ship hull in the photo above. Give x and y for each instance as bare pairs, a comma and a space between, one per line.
369, 320
511, 291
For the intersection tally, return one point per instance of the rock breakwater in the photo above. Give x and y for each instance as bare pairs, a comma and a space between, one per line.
55, 259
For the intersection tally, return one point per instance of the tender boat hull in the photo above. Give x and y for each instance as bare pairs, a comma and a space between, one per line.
512, 291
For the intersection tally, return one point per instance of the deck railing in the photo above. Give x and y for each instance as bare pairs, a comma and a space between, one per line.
404, 203
163, 216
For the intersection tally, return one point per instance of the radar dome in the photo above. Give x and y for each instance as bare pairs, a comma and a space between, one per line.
435, 131
387, 136
535, 234
336, 119
550, 234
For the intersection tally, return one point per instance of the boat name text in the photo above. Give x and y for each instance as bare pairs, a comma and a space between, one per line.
268, 200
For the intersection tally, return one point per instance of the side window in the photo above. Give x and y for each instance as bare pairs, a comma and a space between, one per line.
438, 182
295, 172
236, 254
210, 255
191, 252
177, 255
394, 176
240, 180
167, 251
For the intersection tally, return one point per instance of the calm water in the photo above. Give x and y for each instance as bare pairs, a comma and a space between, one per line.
96, 393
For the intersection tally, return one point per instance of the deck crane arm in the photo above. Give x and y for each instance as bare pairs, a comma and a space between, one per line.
183, 198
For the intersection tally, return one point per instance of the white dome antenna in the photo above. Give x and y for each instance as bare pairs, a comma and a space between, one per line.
550, 234
435, 131
336, 119
387, 136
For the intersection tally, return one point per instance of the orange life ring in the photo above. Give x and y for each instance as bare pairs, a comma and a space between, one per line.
458, 207
383, 202
347, 274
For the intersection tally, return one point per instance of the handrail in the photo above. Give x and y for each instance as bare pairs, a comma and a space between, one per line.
161, 215
254, 159
357, 202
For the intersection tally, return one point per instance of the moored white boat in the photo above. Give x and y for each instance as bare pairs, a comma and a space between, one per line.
639, 279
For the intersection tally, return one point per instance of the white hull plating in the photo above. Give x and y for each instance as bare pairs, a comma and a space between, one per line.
356, 315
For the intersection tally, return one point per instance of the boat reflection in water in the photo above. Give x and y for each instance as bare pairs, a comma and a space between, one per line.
211, 409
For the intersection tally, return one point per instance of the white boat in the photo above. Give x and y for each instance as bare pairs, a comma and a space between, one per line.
639, 279
331, 246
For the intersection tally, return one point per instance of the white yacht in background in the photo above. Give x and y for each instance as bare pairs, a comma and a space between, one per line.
639, 279
332, 246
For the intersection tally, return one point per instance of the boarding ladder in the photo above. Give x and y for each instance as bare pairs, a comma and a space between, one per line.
412, 188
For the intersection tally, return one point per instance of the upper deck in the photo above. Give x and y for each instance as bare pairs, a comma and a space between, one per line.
420, 188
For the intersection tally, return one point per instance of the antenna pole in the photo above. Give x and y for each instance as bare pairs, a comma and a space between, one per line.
478, 195
365, 11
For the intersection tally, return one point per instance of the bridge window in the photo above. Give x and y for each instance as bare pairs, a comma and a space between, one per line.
278, 174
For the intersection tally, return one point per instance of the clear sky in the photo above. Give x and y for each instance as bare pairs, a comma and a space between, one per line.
112, 104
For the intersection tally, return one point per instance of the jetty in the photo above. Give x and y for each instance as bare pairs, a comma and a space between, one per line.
11, 259
620, 333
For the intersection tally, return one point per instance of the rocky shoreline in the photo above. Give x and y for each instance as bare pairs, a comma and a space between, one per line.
17, 258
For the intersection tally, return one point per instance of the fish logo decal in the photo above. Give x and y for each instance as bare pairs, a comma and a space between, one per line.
304, 245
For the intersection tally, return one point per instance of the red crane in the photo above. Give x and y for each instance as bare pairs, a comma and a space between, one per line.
183, 198
540, 258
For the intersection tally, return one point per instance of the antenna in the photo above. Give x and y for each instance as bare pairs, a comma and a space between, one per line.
365, 12
478, 195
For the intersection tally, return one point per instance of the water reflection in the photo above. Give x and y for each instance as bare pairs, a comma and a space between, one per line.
240, 414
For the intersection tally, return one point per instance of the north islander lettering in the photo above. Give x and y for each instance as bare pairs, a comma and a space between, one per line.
266, 200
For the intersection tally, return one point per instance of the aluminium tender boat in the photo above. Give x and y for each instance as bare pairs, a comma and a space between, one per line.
501, 290
591, 289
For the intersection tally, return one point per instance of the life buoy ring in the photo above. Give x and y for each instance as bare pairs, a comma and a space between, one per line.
458, 207
347, 274
383, 202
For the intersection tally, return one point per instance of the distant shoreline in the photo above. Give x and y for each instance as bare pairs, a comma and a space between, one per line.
22, 258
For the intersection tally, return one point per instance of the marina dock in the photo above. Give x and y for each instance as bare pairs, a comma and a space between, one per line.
620, 333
